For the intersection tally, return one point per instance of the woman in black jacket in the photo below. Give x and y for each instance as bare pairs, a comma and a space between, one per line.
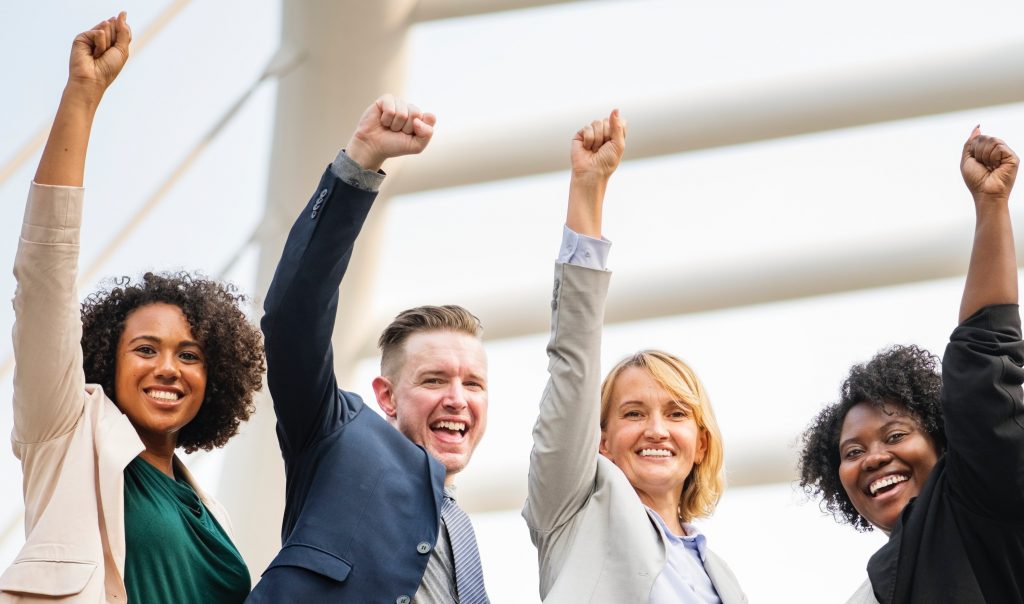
938, 464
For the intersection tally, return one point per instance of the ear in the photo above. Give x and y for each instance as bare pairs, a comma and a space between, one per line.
385, 394
602, 448
702, 446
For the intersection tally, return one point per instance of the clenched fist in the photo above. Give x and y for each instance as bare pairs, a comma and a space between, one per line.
388, 128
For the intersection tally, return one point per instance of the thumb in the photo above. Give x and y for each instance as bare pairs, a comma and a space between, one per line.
618, 128
423, 128
969, 144
122, 33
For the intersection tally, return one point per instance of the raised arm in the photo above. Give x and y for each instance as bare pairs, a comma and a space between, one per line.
989, 169
49, 381
302, 302
981, 369
563, 462
97, 56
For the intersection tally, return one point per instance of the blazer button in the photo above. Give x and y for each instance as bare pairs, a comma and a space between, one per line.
323, 194
423, 547
403, 600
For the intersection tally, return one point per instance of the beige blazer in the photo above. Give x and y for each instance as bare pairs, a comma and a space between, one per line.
594, 539
72, 440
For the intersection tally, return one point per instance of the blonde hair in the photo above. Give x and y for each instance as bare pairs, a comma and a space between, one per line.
703, 487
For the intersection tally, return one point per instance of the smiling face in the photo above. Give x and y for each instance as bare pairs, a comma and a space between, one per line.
438, 395
651, 435
885, 457
160, 375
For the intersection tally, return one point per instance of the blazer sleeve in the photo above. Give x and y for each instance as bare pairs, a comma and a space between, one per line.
983, 411
300, 310
49, 383
563, 463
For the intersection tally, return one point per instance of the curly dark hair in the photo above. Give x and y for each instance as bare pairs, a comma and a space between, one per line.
905, 375
232, 346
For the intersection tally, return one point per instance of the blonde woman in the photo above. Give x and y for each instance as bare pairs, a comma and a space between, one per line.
618, 472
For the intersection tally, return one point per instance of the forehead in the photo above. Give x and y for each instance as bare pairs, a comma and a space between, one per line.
637, 384
866, 417
156, 319
444, 350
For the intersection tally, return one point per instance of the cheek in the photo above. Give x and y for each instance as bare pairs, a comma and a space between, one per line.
848, 478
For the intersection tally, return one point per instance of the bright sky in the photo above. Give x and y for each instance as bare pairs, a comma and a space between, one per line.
768, 368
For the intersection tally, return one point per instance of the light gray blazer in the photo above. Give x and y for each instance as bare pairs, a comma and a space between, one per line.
594, 539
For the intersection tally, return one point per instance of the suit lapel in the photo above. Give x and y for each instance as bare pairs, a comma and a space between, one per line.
724, 581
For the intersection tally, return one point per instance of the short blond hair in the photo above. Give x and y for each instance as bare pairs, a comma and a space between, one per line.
703, 487
449, 317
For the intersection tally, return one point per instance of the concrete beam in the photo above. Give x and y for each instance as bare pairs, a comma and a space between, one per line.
433, 10
743, 113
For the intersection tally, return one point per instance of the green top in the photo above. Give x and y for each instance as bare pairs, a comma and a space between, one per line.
176, 550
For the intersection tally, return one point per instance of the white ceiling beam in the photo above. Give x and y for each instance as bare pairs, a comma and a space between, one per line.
730, 115
433, 10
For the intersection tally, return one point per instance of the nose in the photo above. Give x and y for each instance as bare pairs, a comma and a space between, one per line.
656, 428
455, 397
876, 458
167, 367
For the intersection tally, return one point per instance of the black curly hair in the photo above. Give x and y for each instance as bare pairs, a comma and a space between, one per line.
232, 346
905, 375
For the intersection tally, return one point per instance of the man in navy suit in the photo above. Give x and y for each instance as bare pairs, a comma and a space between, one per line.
363, 519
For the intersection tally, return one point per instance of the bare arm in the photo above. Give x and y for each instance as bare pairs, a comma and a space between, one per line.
596, 151
97, 56
989, 168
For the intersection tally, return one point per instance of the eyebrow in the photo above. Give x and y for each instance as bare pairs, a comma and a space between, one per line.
181, 344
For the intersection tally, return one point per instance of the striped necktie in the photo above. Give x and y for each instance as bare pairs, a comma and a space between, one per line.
469, 576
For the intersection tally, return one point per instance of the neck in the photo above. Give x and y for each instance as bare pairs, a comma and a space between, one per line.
665, 505
160, 453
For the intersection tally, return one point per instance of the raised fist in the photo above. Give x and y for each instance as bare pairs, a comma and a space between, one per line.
388, 128
598, 146
988, 165
98, 55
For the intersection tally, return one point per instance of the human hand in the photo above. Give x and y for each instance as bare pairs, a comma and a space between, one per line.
98, 55
989, 166
390, 127
597, 147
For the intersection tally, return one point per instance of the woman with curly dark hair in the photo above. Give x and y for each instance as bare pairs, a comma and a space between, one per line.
936, 463
105, 393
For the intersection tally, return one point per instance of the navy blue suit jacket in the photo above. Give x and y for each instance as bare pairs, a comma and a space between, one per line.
363, 501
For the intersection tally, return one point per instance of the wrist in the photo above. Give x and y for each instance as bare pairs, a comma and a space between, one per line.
363, 154
81, 94
987, 201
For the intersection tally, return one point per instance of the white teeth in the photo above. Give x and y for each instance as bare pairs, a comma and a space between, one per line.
458, 426
655, 453
163, 395
887, 481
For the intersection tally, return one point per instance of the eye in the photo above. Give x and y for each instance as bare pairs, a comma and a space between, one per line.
853, 453
678, 414
634, 414
895, 437
433, 381
190, 357
473, 385
145, 350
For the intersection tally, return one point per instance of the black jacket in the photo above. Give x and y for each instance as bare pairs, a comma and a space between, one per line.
962, 539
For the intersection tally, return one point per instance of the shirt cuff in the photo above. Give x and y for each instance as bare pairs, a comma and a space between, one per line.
583, 251
346, 168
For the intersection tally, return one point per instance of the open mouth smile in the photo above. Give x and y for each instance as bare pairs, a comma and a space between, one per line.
655, 453
886, 484
449, 430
